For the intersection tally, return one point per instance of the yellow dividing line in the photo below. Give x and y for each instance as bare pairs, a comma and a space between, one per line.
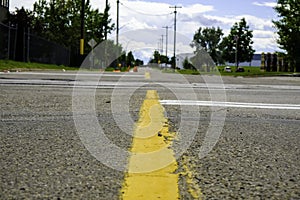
152, 165
192, 187
147, 75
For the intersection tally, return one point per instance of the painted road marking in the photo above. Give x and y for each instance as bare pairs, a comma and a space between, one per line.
232, 104
147, 75
192, 187
152, 165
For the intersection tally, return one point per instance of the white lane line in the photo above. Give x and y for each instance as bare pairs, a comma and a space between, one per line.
102, 86
244, 86
74, 82
69, 86
109, 84
87, 82
74, 74
231, 104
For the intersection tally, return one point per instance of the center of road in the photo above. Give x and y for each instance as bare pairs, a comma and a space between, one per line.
152, 165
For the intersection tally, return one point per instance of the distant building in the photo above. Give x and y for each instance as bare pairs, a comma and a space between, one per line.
4, 9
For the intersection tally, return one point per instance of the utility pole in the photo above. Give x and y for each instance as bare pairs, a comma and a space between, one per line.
159, 45
175, 13
167, 32
236, 38
106, 25
82, 27
105, 33
117, 39
162, 44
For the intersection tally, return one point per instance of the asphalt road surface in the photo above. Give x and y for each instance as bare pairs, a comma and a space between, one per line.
246, 142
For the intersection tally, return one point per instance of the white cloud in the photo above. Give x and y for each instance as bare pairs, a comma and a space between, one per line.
265, 45
196, 9
265, 41
253, 21
256, 22
263, 34
134, 23
224, 20
267, 4
27, 4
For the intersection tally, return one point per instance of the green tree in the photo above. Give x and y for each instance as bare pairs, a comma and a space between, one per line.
288, 27
20, 19
111, 55
159, 58
237, 46
130, 60
209, 39
139, 62
59, 21
187, 65
156, 57
164, 59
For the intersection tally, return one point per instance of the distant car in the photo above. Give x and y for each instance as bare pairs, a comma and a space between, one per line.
227, 69
240, 69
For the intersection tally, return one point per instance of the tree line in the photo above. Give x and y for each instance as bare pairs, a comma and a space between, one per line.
237, 47
234, 48
288, 30
59, 21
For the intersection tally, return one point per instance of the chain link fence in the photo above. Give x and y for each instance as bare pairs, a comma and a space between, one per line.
7, 41
27, 47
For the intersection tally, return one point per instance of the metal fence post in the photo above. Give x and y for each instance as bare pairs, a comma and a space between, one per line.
28, 44
15, 43
8, 42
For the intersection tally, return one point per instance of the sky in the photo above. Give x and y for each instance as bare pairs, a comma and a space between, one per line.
141, 21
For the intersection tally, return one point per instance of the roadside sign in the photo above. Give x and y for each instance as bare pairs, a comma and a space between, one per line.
92, 43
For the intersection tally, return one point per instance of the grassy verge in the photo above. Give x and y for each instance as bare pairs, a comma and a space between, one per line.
9, 65
249, 71
188, 71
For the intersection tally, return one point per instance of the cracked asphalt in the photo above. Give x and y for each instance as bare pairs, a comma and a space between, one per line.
257, 155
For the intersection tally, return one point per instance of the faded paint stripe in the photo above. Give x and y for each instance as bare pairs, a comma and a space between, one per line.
147, 75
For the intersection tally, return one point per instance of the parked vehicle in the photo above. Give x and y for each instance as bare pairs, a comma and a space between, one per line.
227, 69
